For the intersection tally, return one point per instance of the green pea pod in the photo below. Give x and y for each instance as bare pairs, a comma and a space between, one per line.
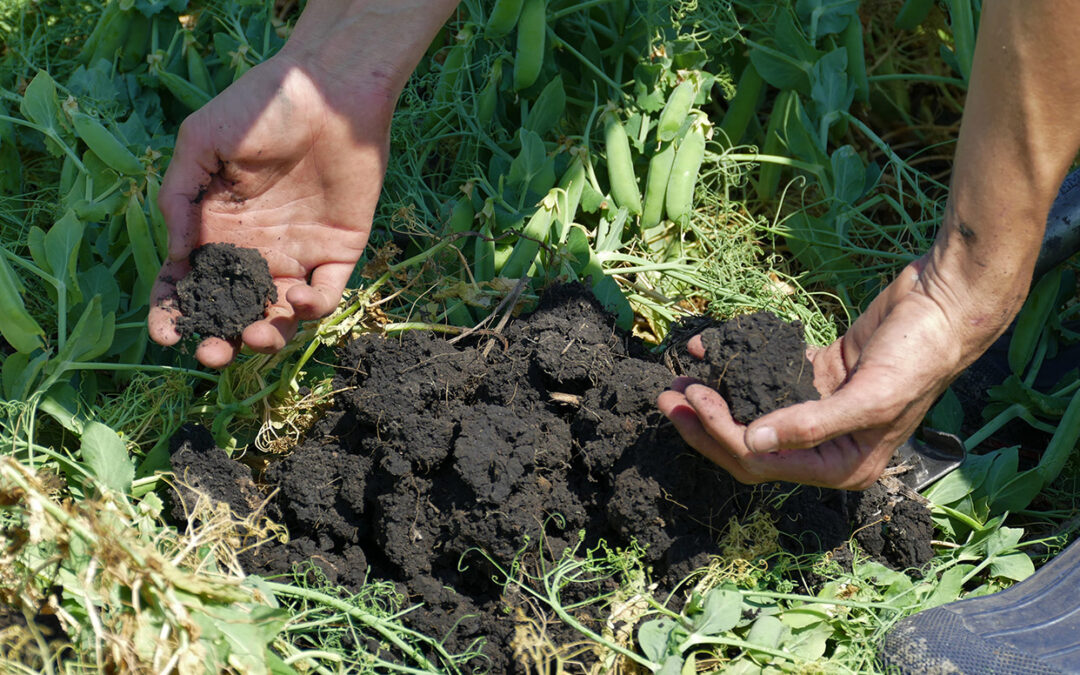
198, 73
676, 110
531, 40
620, 164
484, 256
157, 218
852, 38
504, 16
548, 110
656, 186
1031, 320
18, 327
143, 250
184, 91
679, 199
742, 107
447, 89
913, 13
568, 199
136, 42
461, 220
106, 146
769, 175
108, 35
536, 230
488, 97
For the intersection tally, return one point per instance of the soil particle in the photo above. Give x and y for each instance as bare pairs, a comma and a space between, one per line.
203, 468
438, 460
758, 363
896, 529
227, 288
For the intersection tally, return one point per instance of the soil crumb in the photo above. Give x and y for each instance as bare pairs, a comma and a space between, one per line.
439, 461
227, 288
758, 364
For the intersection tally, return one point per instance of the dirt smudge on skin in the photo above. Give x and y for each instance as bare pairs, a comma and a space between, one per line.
434, 452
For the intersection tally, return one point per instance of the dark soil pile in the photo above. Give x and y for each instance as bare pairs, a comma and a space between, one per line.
758, 364
435, 451
227, 288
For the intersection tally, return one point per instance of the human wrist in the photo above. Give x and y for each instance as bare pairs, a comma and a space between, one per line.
365, 46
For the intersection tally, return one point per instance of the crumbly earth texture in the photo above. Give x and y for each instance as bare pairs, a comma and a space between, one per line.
227, 288
438, 459
758, 364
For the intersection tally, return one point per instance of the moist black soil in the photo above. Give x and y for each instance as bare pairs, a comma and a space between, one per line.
435, 452
758, 364
227, 288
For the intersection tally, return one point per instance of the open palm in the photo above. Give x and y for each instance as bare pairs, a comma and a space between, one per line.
285, 164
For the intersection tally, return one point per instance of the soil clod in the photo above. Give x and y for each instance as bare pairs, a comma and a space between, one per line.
227, 288
758, 364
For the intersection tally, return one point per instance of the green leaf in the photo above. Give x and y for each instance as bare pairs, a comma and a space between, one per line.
948, 414
62, 404
720, 612
653, 638
830, 88
106, 457
62, 243
786, 62
529, 162
672, 665
825, 17
548, 109
967, 478
40, 106
20, 372
948, 587
1016, 566
767, 631
848, 175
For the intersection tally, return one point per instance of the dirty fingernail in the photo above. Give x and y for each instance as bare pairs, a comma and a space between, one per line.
762, 439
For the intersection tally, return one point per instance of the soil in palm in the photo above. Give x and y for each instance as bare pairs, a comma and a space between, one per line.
227, 288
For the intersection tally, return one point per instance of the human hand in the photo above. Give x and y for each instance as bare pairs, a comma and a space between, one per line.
877, 382
279, 163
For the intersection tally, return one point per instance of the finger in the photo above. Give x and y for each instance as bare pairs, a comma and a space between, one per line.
272, 333
855, 407
323, 295
835, 464
193, 162
164, 305
696, 347
675, 407
680, 384
715, 416
216, 353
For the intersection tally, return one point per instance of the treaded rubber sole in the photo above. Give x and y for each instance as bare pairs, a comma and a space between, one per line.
1030, 628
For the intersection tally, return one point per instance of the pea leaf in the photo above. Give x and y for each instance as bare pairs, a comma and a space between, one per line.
848, 175
823, 17
786, 62
1016, 566
40, 106
721, 610
653, 638
61, 244
106, 456
767, 631
968, 477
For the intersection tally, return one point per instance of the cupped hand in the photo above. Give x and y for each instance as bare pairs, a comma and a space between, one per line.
876, 382
289, 164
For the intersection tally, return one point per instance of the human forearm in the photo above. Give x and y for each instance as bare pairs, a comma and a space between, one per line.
1019, 135
366, 44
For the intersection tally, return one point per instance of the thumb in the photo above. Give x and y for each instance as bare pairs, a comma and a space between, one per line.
854, 407
193, 163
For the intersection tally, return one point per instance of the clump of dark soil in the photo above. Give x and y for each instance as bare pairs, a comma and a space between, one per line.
758, 364
227, 288
436, 452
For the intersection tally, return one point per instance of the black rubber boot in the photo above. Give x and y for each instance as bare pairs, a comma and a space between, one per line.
1032, 628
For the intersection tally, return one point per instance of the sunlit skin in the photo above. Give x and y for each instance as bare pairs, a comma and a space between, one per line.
290, 160
1018, 138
